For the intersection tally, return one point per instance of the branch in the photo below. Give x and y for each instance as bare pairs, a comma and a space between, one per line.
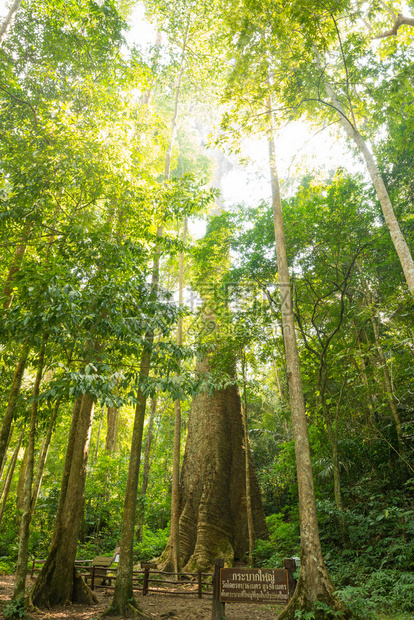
343, 60
6, 24
387, 8
20, 101
400, 20
304, 335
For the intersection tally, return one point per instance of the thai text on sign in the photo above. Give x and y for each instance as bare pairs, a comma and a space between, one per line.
250, 585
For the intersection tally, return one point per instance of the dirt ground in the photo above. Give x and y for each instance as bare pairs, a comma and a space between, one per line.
157, 606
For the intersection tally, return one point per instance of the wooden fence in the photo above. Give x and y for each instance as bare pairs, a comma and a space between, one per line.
147, 579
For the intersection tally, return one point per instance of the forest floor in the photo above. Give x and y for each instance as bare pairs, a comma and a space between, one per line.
157, 606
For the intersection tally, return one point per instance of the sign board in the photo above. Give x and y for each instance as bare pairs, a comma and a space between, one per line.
254, 585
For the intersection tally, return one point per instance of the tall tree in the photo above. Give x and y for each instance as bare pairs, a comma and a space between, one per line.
314, 583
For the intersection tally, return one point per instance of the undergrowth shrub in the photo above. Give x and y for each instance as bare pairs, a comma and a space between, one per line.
283, 542
383, 590
152, 545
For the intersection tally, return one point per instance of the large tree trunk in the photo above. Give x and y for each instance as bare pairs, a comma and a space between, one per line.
44, 450
59, 582
314, 583
213, 513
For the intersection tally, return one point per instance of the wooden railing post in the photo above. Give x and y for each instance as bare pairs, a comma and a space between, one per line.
218, 610
93, 578
147, 567
290, 565
145, 584
33, 567
200, 584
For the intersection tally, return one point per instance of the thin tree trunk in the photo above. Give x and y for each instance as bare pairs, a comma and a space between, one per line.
8, 415
279, 385
19, 253
3, 464
8, 19
20, 485
167, 169
9, 477
362, 371
387, 379
391, 221
333, 440
146, 470
250, 520
314, 582
98, 438
155, 62
23, 554
112, 424
175, 494
123, 600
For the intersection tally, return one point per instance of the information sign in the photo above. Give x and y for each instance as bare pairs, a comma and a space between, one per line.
254, 585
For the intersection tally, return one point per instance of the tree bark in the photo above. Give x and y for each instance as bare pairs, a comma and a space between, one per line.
314, 582
20, 486
9, 413
175, 495
391, 221
250, 520
59, 583
112, 424
8, 19
98, 439
43, 457
3, 464
146, 470
278, 383
69, 456
123, 601
9, 476
23, 553
213, 513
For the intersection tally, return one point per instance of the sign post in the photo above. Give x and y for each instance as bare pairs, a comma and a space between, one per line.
251, 585
254, 585
218, 607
